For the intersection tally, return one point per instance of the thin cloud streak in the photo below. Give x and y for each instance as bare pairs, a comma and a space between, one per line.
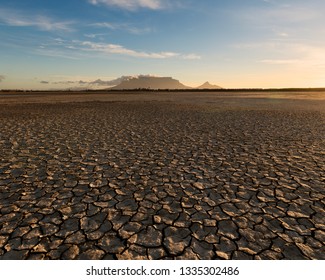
132, 5
120, 50
191, 56
14, 18
58, 53
281, 61
281, 14
122, 27
2, 77
75, 49
302, 56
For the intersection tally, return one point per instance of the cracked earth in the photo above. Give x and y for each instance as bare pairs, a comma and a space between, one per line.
152, 179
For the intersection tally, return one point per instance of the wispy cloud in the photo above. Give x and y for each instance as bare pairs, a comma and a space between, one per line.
122, 27
15, 18
2, 77
65, 82
281, 61
76, 49
132, 4
109, 83
94, 35
65, 53
279, 14
283, 34
118, 49
59, 48
296, 55
287, 53
121, 50
191, 56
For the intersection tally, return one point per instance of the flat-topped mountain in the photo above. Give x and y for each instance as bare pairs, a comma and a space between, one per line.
150, 82
135, 82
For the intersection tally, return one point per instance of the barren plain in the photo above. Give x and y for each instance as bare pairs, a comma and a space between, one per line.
163, 175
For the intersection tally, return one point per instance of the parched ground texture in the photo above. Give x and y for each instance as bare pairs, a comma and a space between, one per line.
223, 178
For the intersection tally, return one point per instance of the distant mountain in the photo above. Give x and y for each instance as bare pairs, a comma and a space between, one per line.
207, 85
150, 82
133, 82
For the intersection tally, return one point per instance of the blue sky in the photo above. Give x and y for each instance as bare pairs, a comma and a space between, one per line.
48, 44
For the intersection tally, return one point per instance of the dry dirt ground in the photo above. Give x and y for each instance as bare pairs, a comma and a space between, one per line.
162, 175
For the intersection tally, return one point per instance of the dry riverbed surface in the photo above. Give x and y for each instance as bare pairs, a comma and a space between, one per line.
162, 176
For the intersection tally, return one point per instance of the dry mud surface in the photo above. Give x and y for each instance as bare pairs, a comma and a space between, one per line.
162, 176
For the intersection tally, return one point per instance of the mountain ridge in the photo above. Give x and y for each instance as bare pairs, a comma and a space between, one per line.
155, 83
147, 82
150, 82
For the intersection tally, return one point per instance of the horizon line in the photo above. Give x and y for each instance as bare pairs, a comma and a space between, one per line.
166, 89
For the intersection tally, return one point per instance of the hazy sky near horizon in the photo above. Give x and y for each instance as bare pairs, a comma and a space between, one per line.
48, 44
